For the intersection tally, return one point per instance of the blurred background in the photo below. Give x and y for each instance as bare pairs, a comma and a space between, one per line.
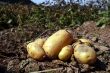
52, 13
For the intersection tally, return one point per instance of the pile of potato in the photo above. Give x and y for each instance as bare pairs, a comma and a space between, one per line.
62, 45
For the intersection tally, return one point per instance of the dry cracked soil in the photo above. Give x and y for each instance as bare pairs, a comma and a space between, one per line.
14, 59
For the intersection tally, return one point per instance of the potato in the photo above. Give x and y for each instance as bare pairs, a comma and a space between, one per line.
84, 54
75, 44
66, 53
40, 41
56, 42
35, 51
85, 41
82, 41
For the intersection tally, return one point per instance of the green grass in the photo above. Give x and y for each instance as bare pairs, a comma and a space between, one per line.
51, 17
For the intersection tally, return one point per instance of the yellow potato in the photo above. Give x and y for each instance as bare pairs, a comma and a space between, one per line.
84, 54
76, 43
85, 41
40, 41
35, 51
56, 42
66, 53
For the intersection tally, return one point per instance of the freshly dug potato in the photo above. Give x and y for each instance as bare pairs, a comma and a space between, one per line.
56, 42
75, 44
35, 51
85, 41
40, 41
82, 41
84, 54
66, 53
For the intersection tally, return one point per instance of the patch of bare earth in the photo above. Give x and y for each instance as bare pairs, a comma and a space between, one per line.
13, 55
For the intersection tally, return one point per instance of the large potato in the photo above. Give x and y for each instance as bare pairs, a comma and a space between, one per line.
40, 41
56, 42
35, 51
84, 54
66, 53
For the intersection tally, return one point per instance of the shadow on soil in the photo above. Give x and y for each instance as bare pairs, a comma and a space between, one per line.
3, 69
99, 66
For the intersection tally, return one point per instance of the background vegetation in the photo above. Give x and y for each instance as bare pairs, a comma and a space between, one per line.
12, 15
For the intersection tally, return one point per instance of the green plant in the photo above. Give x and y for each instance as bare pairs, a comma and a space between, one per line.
51, 17
104, 18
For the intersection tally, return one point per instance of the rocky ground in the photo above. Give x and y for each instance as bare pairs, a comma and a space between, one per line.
14, 59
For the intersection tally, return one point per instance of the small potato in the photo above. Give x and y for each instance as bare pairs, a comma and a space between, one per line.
75, 44
66, 53
82, 41
35, 51
84, 54
40, 41
85, 41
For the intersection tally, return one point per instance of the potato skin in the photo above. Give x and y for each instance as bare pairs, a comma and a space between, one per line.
85, 41
35, 51
40, 41
66, 53
85, 54
56, 42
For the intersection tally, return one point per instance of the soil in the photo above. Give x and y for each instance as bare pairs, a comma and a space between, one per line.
14, 59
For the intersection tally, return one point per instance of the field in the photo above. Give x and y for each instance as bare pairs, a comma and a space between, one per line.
22, 23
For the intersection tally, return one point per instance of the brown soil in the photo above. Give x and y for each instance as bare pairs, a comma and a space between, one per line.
13, 54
